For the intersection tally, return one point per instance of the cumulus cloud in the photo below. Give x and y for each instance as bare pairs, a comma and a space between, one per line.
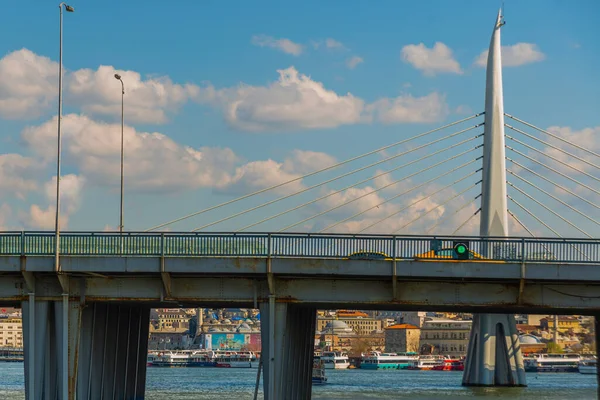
285, 45
515, 55
17, 175
153, 162
304, 161
402, 109
28, 84
353, 61
70, 200
146, 100
295, 101
5, 213
586, 138
438, 59
28, 88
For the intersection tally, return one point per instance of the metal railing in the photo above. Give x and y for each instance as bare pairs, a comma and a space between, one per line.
299, 245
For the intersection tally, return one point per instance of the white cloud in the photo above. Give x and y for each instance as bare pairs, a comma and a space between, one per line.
586, 138
17, 175
409, 109
463, 109
29, 87
353, 61
153, 162
285, 45
304, 161
515, 55
146, 101
295, 101
333, 44
257, 175
438, 59
70, 200
28, 84
5, 213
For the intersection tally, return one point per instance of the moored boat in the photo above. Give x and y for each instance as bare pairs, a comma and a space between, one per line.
318, 372
588, 366
552, 363
427, 362
335, 360
450, 364
377, 360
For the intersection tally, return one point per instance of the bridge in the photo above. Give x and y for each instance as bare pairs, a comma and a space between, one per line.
86, 296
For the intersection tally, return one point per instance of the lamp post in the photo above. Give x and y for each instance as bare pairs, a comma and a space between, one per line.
118, 77
68, 8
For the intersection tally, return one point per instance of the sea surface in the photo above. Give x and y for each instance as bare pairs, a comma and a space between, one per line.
225, 383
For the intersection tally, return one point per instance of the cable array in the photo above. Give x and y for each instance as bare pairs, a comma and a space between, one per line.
557, 193
328, 181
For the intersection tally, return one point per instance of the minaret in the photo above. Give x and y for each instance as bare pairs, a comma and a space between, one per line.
494, 357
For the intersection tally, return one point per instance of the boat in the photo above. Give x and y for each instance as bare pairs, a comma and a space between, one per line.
377, 360
318, 372
235, 359
552, 363
450, 364
588, 366
171, 359
335, 360
427, 362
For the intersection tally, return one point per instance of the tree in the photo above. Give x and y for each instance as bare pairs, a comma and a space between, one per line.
552, 347
359, 346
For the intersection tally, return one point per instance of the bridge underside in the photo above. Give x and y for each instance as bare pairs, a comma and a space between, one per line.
92, 351
93, 329
244, 282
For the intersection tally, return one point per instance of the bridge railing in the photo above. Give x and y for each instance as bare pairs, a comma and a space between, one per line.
168, 244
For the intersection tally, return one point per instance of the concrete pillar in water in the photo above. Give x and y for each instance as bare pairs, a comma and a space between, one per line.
494, 356
287, 335
107, 350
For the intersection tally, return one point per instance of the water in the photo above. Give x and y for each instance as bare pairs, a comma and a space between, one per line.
222, 384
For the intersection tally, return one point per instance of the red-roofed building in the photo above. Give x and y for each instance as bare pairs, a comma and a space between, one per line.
401, 338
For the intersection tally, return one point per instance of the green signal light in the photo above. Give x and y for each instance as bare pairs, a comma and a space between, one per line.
461, 249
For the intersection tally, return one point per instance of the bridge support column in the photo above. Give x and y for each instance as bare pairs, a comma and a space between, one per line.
494, 356
287, 333
106, 350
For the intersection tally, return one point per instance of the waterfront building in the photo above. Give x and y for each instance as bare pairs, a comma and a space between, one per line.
531, 344
358, 321
445, 336
169, 319
402, 338
565, 324
172, 339
11, 332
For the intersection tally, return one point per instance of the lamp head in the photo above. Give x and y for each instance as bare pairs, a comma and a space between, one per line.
69, 8
117, 76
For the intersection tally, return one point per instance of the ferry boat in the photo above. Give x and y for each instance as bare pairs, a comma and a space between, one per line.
236, 360
377, 360
171, 359
552, 363
588, 366
427, 362
318, 372
335, 360
450, 364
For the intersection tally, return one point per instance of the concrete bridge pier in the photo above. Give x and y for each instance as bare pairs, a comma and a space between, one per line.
494, 357
287, 335
92, 351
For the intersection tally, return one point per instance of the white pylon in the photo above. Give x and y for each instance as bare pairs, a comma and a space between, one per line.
494, 357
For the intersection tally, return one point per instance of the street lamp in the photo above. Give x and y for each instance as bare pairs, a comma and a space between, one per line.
68, 8
118, 77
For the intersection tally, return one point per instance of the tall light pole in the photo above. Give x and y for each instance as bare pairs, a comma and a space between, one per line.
118, 77
68, 8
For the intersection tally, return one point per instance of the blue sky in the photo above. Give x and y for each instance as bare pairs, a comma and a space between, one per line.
204, 77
